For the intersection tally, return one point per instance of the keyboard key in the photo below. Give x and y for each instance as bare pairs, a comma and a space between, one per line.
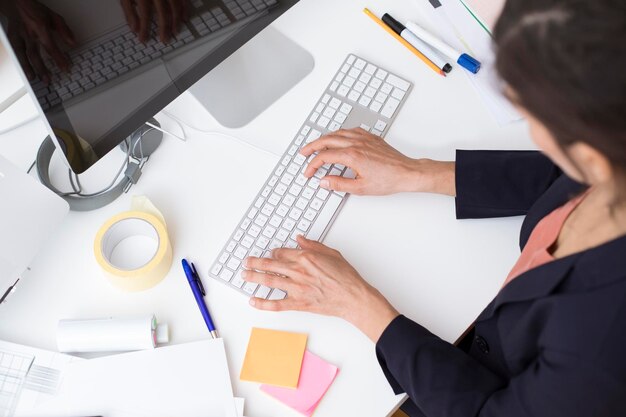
390, 108
276, 220
365, 101
282, 235
226, 275
381, 97
398, 94
233, 263
323, 121
398, 82
216, 269
268, 209
324, 217
380, 125
295, 214
310, 214
262, 292
329, 112
247, 242
365, 78
277, 294
386, 88
376, 106
262, 242
237, 280
354, 73
334, 126
354, 96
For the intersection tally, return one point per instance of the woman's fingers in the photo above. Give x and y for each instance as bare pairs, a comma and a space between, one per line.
312, 245
273, 305
285, 254
64, 30
326, 142
327, 157
273, 266
144, 8
335, 183
269, 280
176, 11
164, 20
131, 15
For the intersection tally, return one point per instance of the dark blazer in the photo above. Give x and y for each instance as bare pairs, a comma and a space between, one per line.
552, 343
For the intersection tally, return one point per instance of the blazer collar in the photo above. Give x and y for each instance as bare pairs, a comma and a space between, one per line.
584, 270
532, 284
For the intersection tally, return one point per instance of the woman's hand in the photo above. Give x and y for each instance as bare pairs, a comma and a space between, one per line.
36, 28
170, 14
318, 279
379, 168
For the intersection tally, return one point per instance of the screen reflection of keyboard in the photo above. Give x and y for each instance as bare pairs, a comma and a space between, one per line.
120, 52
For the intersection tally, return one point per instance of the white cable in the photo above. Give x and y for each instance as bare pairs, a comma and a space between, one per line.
181, 123
21, 92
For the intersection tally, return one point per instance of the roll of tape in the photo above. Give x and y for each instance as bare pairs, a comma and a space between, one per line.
127, 225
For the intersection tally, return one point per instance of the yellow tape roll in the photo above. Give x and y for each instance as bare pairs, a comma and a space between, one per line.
124, 226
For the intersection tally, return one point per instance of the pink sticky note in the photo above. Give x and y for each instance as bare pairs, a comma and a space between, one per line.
316, 376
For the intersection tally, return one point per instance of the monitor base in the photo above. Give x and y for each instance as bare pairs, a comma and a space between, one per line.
254, 77
143, 141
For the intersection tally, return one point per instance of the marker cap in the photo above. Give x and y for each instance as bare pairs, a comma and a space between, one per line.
469, 63
393, 23
162, 333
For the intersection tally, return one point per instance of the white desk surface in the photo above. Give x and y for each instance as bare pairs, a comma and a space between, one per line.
436, 270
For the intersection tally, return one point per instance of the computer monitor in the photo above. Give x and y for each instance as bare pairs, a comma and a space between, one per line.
100, 69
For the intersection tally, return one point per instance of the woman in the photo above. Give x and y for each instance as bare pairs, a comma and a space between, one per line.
552, 341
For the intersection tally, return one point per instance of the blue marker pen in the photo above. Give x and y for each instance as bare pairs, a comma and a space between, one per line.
198, 292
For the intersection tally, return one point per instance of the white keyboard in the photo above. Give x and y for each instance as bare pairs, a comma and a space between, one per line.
360, 95
119, 51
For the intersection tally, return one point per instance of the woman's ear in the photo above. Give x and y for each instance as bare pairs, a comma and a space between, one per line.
592, 164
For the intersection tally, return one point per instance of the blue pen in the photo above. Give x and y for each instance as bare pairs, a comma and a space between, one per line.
198, 292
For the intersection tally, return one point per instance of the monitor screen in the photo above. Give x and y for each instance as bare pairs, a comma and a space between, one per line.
101, 68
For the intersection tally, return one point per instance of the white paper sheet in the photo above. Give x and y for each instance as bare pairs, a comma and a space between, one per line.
188, 380
43, 380
458, 28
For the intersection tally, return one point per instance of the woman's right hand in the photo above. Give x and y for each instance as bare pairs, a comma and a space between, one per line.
379, 168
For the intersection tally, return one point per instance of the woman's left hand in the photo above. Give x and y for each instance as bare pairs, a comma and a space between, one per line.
318, 279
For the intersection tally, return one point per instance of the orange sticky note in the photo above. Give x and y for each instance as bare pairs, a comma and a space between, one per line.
274, 357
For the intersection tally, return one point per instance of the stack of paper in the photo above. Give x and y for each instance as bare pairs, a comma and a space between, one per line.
486, 12
458, 28
289, 373
188, 380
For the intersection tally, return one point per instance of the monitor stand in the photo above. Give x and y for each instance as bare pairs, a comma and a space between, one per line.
254, 77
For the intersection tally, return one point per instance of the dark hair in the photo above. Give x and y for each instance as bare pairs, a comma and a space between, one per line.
565, 61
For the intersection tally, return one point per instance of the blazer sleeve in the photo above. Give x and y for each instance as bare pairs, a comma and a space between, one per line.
443, 380
500, 183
